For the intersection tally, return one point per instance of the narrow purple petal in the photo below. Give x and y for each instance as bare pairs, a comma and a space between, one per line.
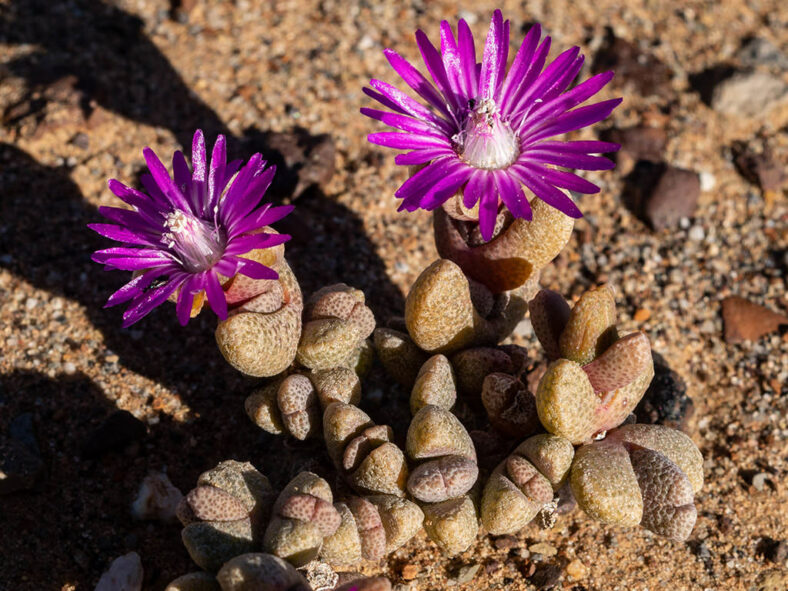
406, 141
572, 120
512, 195
515, 106
475, 188
428, 175
255, 270
577, 95
467, 51
144, 305
407, 104
243, 195
264, 216
183, 308
133, 288
132, 219
164, 181
124, 234
585, 147
215, 294
244, 244
522, 61
415, 80
488, 210
421, 156
403, 122
451, 61
547, 193
216, 175
495, 50
568, 160
445, 188
561, 178
386, 102
432, 59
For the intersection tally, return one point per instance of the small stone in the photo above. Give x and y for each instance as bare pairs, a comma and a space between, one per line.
465, 574
642, 315
662, 194
576, 569
116, 431
410, 572
543, 548
157, 499
759, 481
758, 168
747, 321
748, 94
506, 542
546, 576
761, 52
638, 143
696, 233
124, 574
198, 581
707, 181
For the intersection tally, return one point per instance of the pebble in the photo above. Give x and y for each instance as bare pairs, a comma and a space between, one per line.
124, 574
759, 481
465, 574
546, 576
156, 499
505, 542
410, 572
761, 52
758, 168
576, 569
638, 143
641, 315
747, 321
707, 181
748, 94
543, 548
662, 194
696, 233
116, 431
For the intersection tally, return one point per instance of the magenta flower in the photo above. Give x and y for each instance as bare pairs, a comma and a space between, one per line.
488, 132
187, 233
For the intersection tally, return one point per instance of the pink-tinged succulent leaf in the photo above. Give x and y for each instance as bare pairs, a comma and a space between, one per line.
620, 364
370, 528
313, 510
445, 478
591, 327
209, 503
668, 498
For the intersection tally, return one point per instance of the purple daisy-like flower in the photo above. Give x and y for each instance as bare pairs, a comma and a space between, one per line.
188, 232
487, 132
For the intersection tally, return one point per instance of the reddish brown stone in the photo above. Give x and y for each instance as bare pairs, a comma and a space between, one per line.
747, 321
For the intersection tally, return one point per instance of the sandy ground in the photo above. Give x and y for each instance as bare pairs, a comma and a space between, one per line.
86, 84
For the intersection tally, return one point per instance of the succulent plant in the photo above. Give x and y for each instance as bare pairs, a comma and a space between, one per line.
303, 515
595, 378
199, 581
260, 336
640, 474
371, 527
402, 358
517, 251
524, 483
295, 404
363, 452
260, 572
223, 514
336, 325
446, 473
445, 312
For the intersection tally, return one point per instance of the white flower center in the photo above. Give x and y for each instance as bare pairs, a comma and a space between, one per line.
196, 244
486, 141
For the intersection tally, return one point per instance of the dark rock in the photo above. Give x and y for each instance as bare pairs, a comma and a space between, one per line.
774, 550
638, 143
465, 574
705, 81
666, 401
746, 321
702, 551
760, 52
633, 66
661, 194
758, 168
506, 542
81, 141
116, 432
546, 576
